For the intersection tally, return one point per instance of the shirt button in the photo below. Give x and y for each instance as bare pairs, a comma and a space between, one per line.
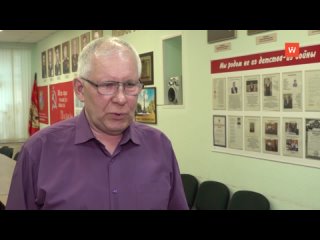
115, 191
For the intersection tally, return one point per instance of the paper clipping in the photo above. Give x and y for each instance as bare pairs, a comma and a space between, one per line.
234, 94
313, 138
252, 134
235, 132
312, 96
252, 93
292, 137
292, 92
219, 131
271, 135
218, 93
271, 92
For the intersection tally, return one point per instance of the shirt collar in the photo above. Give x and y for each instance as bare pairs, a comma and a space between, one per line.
84, 133
130, 134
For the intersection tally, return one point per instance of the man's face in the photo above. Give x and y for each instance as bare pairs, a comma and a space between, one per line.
110, 114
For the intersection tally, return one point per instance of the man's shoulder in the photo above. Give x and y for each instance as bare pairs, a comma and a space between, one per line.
146, 130
144, 127
62, 128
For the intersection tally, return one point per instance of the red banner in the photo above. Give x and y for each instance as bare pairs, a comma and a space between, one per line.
61, 101
43, 104
310, 54
34, 109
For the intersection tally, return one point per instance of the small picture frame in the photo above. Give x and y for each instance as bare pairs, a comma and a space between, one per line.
96, 34
219, 131
221, 35
146, 111
147, 68
44, 64
85, 39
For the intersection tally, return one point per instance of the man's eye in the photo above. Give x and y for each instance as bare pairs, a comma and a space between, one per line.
109, 85
130, 84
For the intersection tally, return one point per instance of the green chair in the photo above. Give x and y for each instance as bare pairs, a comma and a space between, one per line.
248, 200
16, 156
190, 185
8, 151
212, 195
2, 206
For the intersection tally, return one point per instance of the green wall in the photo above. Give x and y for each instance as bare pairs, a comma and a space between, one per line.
189, 126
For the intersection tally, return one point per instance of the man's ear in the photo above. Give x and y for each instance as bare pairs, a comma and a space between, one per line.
78, 89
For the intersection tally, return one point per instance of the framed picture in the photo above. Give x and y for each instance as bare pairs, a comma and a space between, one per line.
85, 39
219, 131
221, 35
57, 63
74, 54
147, 68
312, 138
44, 64
97, 34
146, 111
50, 63
66, 57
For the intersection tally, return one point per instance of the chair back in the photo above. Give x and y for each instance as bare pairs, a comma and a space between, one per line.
16, 156
248, 200
2, 206
190, 185
8, 151
212, 195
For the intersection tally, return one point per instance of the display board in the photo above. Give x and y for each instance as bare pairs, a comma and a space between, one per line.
271, 104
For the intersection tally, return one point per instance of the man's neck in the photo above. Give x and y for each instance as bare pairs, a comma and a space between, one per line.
110, 142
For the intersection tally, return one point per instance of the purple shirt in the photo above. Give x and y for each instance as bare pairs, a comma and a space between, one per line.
65, 167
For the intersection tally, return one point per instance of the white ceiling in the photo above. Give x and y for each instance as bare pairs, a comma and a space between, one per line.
25, 36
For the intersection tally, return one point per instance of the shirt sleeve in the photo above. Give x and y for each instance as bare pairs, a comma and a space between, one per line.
21, 193
177, 199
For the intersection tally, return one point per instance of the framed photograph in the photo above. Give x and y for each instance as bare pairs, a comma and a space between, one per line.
312, 138
219, 131
74, 54
97, 34
50, 63
85, 39
221, 35
147, 68
146, 111
57, 63
66, 57
44, 64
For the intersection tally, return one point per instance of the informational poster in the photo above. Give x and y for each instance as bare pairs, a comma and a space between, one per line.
218, 93
313, 138
252, 134
252, 93
234, 90
278, 98
292, 137
271, 134
219, 131
312, 96
235, 132
271, 95
292, 91
43, 104
61, 101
